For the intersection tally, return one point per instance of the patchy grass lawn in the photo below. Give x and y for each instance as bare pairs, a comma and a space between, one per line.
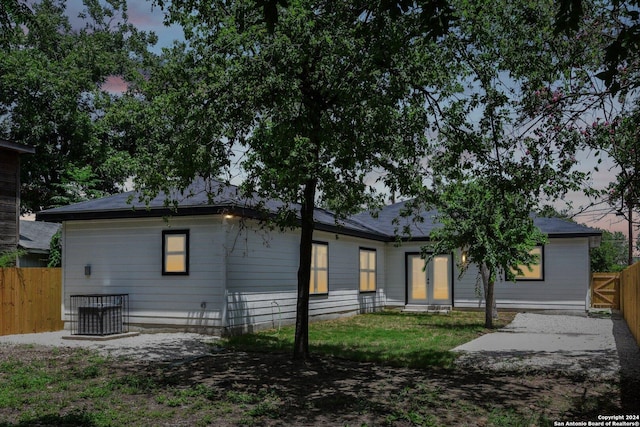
416, 340
236, 386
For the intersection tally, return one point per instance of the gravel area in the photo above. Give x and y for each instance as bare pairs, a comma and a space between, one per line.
145, 346
580, 345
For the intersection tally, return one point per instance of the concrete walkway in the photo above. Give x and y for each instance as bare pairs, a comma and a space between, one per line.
548, 333
577, 345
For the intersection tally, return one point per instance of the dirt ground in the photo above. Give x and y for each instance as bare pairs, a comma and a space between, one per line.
331, 391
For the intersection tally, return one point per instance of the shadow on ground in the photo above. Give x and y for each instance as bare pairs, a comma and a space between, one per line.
629, 356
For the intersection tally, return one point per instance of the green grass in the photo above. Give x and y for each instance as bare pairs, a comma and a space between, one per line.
78, 387
417, 340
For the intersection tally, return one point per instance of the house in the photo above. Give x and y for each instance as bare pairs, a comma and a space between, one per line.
35, 241
211, 266
10, 193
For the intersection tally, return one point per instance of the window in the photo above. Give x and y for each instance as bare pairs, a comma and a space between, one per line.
367, 270
535, 271
319, 283
175, 252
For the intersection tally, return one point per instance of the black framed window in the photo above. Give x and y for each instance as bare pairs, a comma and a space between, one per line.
175, 252
319, 281
368, 269
535, 272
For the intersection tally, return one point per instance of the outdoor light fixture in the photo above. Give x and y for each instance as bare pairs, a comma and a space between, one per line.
87, 270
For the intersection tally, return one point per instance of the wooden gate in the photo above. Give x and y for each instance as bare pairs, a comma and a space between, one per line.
30, 300
605, 290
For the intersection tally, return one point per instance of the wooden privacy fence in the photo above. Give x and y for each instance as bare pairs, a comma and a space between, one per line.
30, 300
630, 298
605, 290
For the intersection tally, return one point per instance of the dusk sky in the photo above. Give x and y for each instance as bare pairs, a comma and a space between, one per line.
148, 18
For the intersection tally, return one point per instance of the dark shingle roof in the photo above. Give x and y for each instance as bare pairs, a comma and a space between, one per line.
202, 197
390, 222
36, 235
214, 197
559, 227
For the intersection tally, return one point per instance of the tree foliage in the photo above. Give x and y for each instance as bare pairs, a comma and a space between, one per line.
611, 255
10, 258
53, 96
315, 99
491, 227
507, 142
619, 138
620, 69
55, 250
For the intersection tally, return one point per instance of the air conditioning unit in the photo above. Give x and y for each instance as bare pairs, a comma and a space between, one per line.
99, 314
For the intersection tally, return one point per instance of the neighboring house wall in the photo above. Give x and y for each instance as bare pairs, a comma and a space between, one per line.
565, 284
9, 199
126, 257
33, 260
262, 277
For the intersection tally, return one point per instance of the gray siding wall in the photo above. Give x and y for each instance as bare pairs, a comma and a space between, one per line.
126, 257
566, 274
567, 277
244, 278
396, 272
262, 270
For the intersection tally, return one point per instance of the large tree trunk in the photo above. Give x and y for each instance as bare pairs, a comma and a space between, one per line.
301, 345
489, 299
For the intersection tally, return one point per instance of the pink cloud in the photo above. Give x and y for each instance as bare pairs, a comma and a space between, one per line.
115, 85
144, 16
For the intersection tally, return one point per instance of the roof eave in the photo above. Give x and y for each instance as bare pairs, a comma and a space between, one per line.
342, 230
20, 148
573, 235
128, 213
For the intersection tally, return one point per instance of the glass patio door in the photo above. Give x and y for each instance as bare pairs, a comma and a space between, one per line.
430, 285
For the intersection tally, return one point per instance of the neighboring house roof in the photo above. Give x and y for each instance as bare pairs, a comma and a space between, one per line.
14, 146
35, 236
214, 197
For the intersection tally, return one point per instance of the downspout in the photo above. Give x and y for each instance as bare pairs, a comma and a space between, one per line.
63, 263
225, 258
